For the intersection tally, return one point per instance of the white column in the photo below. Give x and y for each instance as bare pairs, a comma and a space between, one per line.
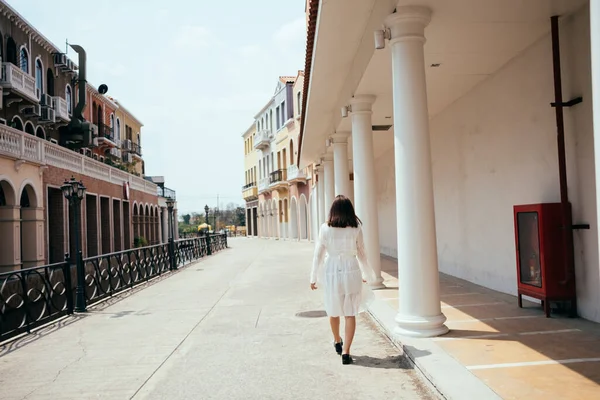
340, 163
365, 181
419, 311
595, 56
320, 199
329, 182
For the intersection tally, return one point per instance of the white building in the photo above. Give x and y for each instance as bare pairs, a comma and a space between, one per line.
450, 125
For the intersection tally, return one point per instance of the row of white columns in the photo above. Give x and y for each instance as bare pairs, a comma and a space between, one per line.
419, 310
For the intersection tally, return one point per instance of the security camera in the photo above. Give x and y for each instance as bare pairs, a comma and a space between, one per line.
344, 112
380, 37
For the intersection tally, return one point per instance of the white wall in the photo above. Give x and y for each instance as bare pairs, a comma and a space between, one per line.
495, 148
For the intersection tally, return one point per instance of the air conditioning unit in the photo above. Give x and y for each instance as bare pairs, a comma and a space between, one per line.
70, 65
128, 158
1, 97
115, 152
48, 115
60, 60
126, 145
31, 111
45, 100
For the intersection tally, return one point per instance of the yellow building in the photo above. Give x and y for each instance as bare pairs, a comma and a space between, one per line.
250, 188
283, 190
128, 128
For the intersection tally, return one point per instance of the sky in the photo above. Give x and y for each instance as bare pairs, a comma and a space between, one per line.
195, 72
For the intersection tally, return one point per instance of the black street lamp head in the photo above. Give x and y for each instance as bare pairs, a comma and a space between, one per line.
72, 189
170, 203
206, 209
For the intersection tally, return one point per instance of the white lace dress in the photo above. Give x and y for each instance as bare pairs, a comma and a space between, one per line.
341, 251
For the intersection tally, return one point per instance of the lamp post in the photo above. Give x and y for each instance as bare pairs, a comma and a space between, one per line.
208, 252
170, 206
74, 192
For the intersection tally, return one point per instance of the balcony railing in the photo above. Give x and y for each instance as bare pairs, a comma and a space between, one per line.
22, 146
249, 191
263, 184
106, 132
278, 176
165, 192
136, 149
248, 186
61, 108
263, 139
293, 173
15, 79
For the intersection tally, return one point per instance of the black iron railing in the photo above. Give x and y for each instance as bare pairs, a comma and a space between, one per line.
248, 186
35, 296
105, 131
277, 176
136, 149
165, 192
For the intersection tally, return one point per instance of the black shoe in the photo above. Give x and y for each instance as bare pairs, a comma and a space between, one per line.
338, 347
346, 359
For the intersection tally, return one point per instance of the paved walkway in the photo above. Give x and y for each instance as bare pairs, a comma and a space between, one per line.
223, 328
496, 349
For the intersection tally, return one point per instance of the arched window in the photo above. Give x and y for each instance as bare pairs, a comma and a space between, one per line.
17, 123
112, 121
69, 98
271, 121
29, 128
291, 152
50, 82
11, 51
118, 130
39, 132
94, 113
24, 60
39, 77
100, 116
299, 103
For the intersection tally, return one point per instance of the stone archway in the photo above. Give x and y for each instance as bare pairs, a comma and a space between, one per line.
32, 228
9, 223
293, 218
303, 217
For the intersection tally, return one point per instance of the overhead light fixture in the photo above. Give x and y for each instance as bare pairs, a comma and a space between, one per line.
380, 36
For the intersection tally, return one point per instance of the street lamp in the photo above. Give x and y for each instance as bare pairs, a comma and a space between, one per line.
170, 207
207, 222
208, 250
74, 192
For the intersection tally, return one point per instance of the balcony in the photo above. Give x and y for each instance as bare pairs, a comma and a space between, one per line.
19, 82
106, 136
278, 179
263, 140
166, 193
263, 185
136, 150
61, 109
250, 191
22, 146
295, 175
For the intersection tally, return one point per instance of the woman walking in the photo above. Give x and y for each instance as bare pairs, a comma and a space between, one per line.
341, 249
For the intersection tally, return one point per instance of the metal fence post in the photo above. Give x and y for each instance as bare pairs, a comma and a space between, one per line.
173, 264
68, 283
208, 251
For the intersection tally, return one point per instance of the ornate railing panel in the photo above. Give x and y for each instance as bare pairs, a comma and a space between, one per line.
32, 297
35, 296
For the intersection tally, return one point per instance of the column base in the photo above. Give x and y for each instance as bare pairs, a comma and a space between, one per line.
377, 284
421, 327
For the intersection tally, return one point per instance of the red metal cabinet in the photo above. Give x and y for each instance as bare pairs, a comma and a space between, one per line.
543, 270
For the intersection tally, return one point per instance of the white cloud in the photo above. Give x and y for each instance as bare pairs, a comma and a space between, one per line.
193, 37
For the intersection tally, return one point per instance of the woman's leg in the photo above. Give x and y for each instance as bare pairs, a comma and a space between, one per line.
335, 328
350, 328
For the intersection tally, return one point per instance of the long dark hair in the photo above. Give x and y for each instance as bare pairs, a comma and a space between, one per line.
341, 214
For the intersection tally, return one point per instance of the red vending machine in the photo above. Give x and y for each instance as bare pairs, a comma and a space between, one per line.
544, 270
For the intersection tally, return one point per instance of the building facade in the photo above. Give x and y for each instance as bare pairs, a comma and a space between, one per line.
450, 124
39, 98
278, 195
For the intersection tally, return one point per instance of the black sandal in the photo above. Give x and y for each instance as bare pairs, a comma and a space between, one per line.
346, 359
338, 347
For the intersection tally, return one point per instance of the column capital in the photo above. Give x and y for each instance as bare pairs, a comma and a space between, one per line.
408, 23
326, 157
340, 137
362, 103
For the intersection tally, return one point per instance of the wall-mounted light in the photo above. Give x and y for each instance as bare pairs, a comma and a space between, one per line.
380, 36
345, 110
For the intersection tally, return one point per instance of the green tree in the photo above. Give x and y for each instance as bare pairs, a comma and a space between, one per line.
186, 218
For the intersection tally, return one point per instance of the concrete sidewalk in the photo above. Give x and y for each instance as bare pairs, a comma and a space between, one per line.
496, 350
223, 328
